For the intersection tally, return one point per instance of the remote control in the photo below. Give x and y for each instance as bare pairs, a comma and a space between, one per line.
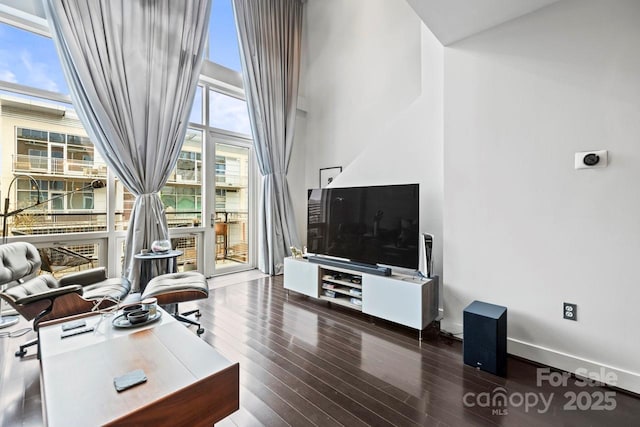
76, 332
74, 325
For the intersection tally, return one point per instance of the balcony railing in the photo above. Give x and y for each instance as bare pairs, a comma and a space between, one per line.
56, 223
184, 219
24, 163
232, 236
187, 172
231, 181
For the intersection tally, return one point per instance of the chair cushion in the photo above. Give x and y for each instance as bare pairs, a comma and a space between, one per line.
18, 260
177, 287
85, 277
115, 289
37, 285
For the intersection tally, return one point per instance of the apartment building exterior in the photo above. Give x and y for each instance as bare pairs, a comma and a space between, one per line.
53, 181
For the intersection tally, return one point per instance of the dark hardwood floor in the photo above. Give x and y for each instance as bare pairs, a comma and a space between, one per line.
305, 363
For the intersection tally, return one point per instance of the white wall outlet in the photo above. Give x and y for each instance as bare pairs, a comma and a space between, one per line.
591, 159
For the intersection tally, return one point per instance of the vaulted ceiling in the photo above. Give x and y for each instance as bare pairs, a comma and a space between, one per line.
449, 20
454, 20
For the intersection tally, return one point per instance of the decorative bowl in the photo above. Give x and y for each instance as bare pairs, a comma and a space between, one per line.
161, 246
139, 316
131, 308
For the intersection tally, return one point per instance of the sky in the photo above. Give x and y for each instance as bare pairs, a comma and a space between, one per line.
31, 60
223, 40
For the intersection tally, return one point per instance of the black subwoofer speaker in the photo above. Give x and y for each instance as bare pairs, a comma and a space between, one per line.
485, 337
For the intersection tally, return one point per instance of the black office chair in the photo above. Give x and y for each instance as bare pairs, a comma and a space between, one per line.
41, 298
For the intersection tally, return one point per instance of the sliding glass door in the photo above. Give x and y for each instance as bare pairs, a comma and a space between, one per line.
232, 206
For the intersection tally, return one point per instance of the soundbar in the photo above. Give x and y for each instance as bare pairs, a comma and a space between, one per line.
350, 265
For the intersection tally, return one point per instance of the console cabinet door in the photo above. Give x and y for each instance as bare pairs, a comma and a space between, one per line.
302, 276
397, 300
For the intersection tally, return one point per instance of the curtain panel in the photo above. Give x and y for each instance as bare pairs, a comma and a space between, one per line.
269, 32
132, 68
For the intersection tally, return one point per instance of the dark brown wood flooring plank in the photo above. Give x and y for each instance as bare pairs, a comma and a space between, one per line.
329, 413
304, 362
492, 382
409, 409
229, 330
513, 384
380, 404
432, 371
273, 320
260, 410
467, 373
330, 400
436, 361
254, 369
366, 389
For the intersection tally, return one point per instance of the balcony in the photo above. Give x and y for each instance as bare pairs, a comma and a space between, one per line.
227, 181
39, 223
186, 172
231, 230
24, 163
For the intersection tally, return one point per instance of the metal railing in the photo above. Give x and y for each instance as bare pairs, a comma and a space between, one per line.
190, 173
40, 223
226, 180
24, 163
232, 236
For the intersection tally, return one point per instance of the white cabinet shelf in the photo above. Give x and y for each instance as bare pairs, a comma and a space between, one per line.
340, 287
399, 298
328, 278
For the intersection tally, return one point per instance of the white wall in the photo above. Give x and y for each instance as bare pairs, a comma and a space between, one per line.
372, 81
522, 227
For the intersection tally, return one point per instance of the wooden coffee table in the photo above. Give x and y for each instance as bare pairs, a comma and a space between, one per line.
189, 383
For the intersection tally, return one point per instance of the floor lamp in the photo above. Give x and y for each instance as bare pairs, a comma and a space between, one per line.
6, 321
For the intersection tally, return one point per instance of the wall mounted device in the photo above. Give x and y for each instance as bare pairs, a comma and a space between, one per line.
591, 159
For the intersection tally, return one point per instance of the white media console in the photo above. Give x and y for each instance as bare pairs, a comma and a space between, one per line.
400, 298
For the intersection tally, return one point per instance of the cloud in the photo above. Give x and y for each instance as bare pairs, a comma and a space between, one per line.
37, 73
229, 113
6, 73
8, 76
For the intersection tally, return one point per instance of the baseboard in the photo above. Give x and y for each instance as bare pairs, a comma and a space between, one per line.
625, 380
451, 327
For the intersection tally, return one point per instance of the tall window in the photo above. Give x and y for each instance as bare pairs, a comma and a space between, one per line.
56, 153
182, 194
232, 205
228, 113
30, 60
52, 172
48, 158
223, 37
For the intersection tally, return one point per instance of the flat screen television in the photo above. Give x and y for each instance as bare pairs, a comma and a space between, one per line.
371, 225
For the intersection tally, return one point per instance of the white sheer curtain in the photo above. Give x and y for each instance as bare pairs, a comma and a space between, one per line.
132, 67
269, 33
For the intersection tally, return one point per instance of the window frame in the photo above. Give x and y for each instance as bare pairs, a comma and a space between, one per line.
213, 77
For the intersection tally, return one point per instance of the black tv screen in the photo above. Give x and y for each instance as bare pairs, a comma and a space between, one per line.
372, 225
